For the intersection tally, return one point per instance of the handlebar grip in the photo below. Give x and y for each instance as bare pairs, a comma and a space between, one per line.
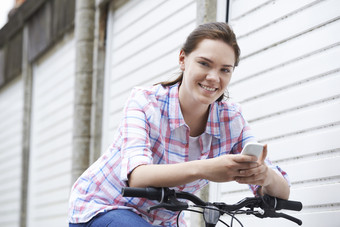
288, 205
149, 193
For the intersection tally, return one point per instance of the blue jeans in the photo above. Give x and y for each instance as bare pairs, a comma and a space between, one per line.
119, 218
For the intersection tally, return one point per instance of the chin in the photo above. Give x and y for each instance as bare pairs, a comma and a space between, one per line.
207, 101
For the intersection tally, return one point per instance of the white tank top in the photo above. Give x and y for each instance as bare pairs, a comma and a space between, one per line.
194, 148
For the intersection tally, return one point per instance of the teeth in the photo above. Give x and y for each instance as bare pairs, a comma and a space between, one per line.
207, 88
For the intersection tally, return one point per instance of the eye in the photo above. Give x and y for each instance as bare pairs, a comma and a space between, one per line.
226, 70
203, 63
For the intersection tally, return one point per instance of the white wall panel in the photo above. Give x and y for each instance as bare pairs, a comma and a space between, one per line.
144, 41
51, 141
302, 94
271, 12
288, 84
286, 76
243, 7
288, 52
11, 121
309, 118
288, 27
145, 38
306, 144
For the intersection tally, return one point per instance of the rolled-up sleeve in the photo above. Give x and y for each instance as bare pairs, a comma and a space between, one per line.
277, 169
135, 149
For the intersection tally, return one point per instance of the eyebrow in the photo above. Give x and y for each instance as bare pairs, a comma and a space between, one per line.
210, 61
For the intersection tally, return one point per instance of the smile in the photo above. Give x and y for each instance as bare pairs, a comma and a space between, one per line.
208, 88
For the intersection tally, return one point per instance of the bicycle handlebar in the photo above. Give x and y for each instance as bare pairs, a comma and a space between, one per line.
168, 200
148, 193
279, 204
159, 194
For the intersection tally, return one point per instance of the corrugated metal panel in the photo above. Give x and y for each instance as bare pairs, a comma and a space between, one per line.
145, 38
288, 84
51, 142
11, 118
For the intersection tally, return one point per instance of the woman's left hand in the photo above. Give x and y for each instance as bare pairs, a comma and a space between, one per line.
260, 175
271, 183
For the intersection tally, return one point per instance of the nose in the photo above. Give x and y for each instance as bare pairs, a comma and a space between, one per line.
213, 76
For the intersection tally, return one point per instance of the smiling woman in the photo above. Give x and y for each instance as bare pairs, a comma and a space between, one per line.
206, 75
205, 78
178, 134
210, 31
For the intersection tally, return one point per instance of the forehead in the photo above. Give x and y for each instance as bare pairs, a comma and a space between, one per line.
216, 50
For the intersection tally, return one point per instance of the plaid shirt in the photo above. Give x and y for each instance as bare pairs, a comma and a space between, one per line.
153, 131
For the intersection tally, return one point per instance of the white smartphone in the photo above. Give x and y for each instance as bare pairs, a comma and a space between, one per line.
254, 149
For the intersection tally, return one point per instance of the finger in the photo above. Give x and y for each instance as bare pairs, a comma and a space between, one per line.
247, 166
245, 158
253, 179
264, 153
245, 180
251, 171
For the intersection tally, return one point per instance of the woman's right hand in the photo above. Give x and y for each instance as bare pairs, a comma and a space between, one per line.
226, 167
221, 169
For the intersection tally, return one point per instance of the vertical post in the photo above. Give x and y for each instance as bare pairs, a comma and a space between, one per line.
26, 129
206, 12
98, 80
227, 11
84, 33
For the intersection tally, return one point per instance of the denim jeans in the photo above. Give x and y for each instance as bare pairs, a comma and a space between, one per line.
119, 218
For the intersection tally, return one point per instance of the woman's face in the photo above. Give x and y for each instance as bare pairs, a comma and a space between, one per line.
206, 72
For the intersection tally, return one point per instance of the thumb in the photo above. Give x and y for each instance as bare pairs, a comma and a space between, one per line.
264, 154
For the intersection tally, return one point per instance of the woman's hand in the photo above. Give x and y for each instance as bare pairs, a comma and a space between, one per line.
258, 176
271, 183
241, 168
221, 169
228, 167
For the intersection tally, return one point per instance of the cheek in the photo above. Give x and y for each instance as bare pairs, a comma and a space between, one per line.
225, 81
192, 76
188, 81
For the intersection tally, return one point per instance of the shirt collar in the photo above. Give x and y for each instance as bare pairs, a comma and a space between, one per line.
213, 123
176, 118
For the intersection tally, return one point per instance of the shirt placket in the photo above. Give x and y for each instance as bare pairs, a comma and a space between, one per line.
205, 143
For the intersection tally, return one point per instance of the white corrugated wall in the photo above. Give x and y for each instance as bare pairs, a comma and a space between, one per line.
144, 40
288, 83
11, 118
51, 136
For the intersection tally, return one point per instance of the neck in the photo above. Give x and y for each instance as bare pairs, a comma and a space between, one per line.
195, 116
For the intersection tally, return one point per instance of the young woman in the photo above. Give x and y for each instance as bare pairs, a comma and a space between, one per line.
179, 134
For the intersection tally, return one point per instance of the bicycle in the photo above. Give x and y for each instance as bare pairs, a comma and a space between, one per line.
168, 198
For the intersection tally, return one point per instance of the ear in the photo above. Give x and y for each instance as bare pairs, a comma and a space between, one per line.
182, 60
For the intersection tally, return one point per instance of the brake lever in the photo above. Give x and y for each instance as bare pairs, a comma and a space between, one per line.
171, 204
274, 214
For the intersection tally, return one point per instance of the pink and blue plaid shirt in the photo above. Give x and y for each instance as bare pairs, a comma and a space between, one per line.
153, 131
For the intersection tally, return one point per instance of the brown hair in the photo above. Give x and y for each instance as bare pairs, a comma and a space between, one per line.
215, 31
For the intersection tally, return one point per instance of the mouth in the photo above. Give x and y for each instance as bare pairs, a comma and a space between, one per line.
211, 89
